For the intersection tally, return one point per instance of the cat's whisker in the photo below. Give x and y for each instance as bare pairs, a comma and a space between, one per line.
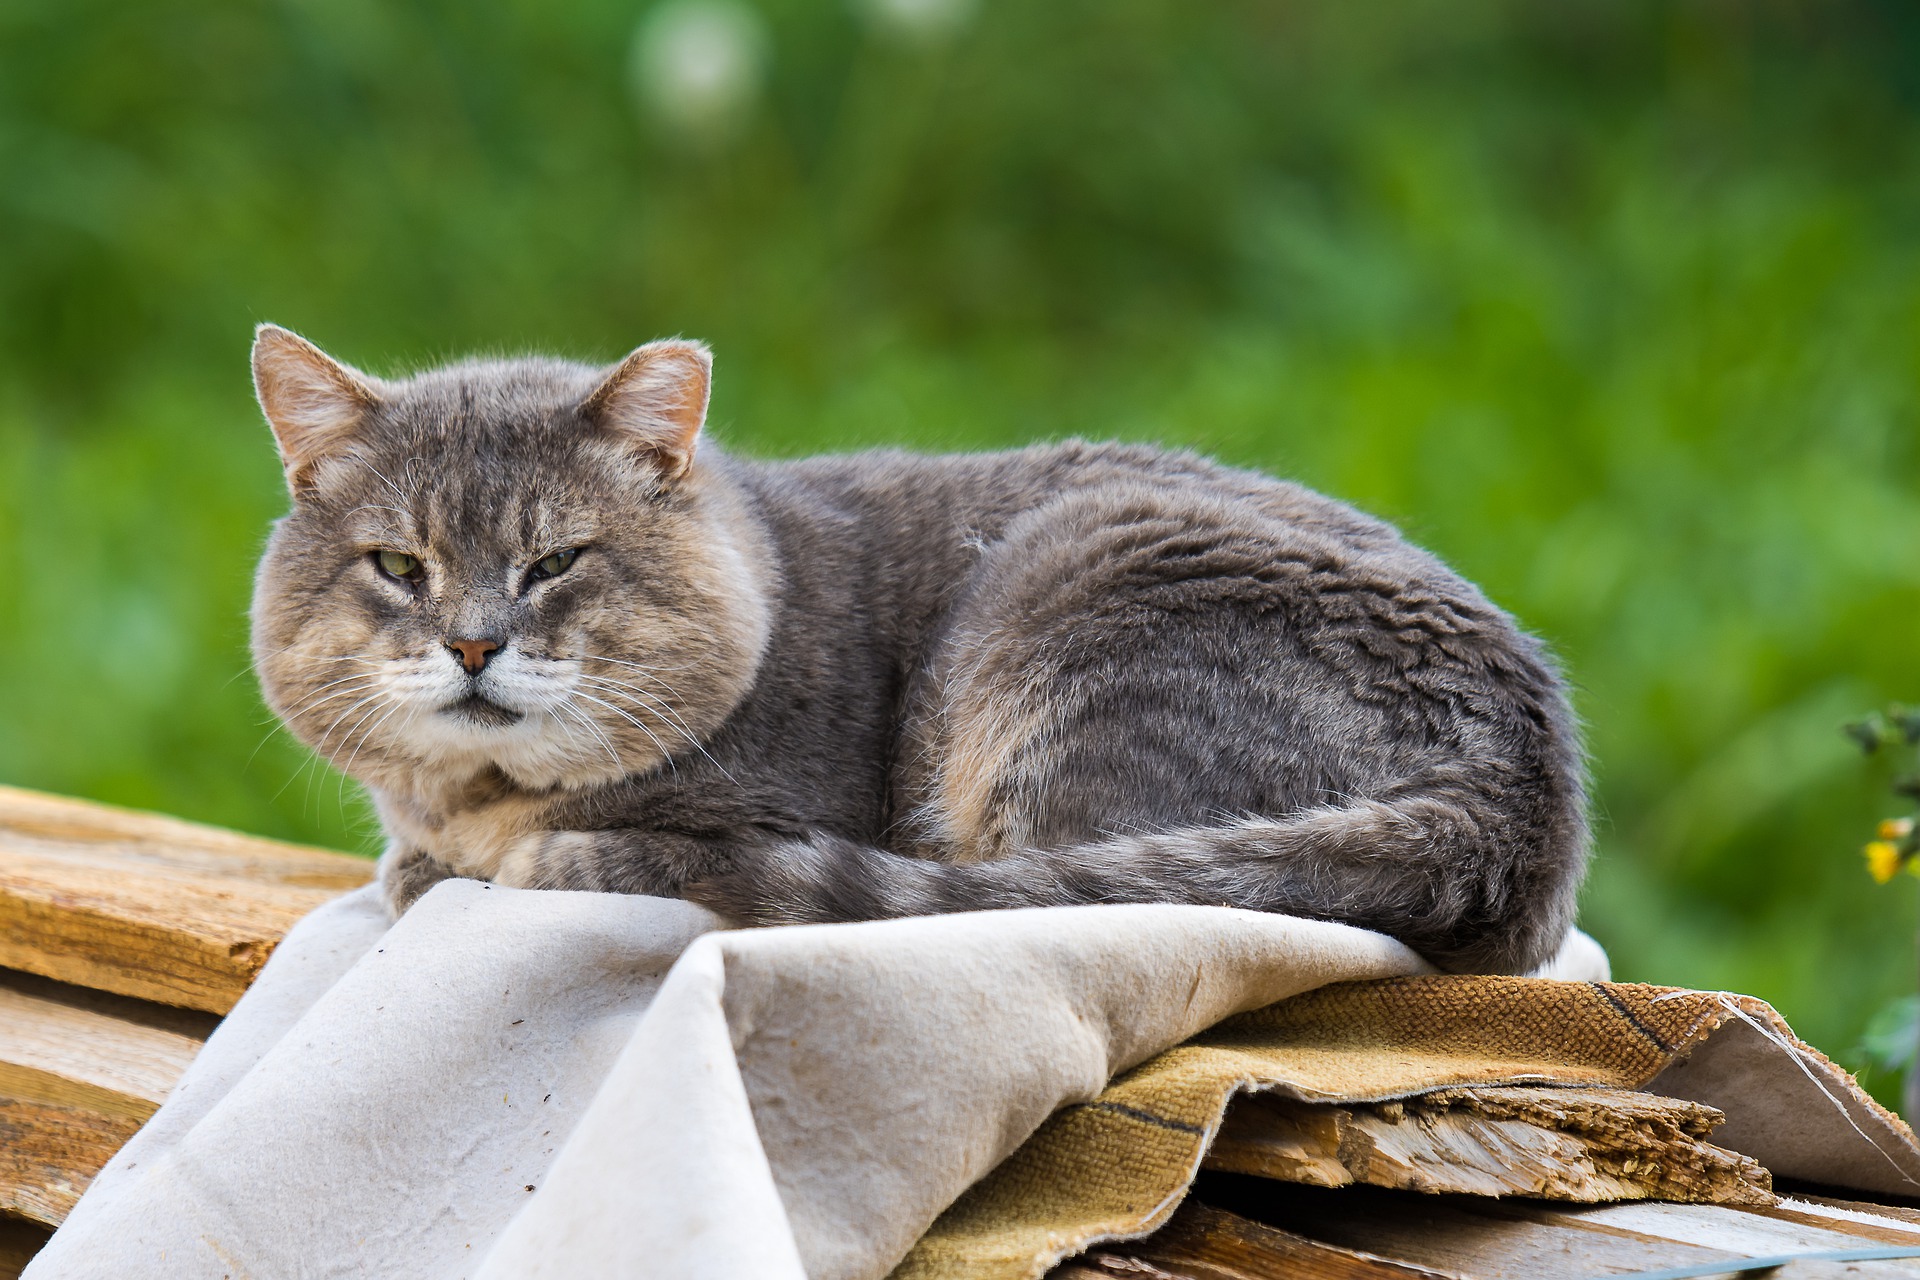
653, 702
314, 700
265, 738
629, 719
664, 712
599, 735
367, 737
318, 657
358, 675
346, 770
320, 742
666, 696
347, 737
643, 667
314, 705
294, 777
664, 753
580, 718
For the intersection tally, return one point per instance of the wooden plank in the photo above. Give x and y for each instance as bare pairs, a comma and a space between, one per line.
1745, 1231
1585, 1145
50, 1153
1868, 1222
1470, 1236
1204, 1243
79, 1073
1106, 1267
1805, 1199
149, 906
1412, 1235
59, 1046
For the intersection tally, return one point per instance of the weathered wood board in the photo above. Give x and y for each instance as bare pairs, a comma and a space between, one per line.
159, 910
1270, 1231
1204, 1243
149, 906
1586, 1145
79, 1072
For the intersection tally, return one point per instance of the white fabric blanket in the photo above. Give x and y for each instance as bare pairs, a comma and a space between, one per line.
511, 1084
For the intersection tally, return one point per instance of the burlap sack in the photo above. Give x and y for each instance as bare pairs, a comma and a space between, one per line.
1116, 1167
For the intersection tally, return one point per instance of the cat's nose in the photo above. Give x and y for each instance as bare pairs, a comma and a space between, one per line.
473, 654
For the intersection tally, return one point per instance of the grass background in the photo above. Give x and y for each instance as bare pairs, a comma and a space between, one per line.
1615, 305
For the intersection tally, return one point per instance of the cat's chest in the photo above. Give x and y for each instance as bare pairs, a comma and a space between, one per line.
470, 840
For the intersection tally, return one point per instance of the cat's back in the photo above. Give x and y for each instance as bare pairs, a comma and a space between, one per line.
918, 500
922, 550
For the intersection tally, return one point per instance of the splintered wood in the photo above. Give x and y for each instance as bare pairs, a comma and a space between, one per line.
1584, 1145
149, 906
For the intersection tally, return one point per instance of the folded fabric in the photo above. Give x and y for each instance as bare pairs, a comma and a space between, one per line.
523, 1084
1115, 1168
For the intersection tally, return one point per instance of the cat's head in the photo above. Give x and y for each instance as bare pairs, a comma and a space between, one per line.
524, 565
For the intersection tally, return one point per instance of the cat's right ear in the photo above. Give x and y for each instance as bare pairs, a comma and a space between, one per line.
313, 402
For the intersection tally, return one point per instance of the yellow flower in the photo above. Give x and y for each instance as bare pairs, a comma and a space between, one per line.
1895, 829
1883, 860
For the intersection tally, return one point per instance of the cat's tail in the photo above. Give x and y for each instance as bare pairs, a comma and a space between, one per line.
1469, 891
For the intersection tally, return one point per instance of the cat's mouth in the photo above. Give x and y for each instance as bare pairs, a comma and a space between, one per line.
478, 709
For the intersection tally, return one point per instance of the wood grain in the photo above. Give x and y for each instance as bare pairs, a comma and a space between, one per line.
1879, 1223
1512, 1239
57, 1050
79, 1072
49, 1154
1582, 1145
1204, 1243
1362, 1233
150, 906
1466, 1235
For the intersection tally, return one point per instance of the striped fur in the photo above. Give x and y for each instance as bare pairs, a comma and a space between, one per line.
847, 688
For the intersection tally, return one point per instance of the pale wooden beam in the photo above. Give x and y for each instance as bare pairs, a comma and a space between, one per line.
149, 906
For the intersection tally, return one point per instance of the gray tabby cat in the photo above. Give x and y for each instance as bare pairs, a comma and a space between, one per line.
566, 643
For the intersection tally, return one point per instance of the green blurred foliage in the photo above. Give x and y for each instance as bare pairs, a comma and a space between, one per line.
1615, 305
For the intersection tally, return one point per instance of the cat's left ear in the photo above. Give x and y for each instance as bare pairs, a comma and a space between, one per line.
656, 402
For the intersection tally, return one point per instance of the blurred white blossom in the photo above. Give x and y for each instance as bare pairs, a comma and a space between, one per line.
697, 65
920, 21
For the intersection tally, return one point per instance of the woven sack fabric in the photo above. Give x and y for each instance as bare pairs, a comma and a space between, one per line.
1116, 1167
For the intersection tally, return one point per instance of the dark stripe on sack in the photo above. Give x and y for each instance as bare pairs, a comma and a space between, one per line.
1659, 1041
1146, 1117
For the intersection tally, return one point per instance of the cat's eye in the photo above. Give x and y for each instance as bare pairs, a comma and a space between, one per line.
554, 565
399, 565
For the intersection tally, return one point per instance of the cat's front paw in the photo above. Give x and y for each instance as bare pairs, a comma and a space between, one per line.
405, 874
546, 860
